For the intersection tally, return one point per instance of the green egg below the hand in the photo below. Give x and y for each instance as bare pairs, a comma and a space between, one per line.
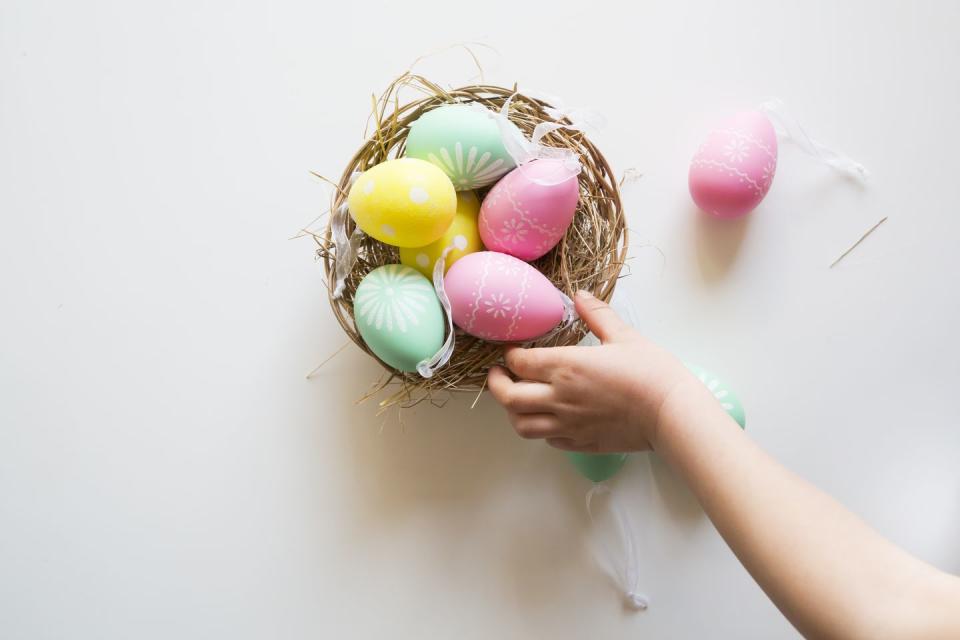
597, 466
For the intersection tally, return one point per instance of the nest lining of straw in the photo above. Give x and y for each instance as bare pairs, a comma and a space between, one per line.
590, 255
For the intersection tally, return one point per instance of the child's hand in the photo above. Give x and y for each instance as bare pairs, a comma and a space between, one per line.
603, 398
628, 394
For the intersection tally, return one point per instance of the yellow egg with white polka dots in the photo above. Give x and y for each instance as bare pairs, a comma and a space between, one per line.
405, 202
462, 234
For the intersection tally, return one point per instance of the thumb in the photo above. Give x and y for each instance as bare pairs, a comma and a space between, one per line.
599, 317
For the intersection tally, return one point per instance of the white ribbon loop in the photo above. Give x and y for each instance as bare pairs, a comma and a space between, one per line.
346, 248
590, 121
789, 128
620, 564
523, 151
426, 368
570, 314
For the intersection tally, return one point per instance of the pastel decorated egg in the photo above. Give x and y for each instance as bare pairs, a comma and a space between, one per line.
404, 202
498, 297
733, 169
461, 234
724, 395
398, 315
529, 210
463, 141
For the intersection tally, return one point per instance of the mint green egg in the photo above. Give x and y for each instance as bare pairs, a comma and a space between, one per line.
597, 466
724, 395
398, 315
464, 142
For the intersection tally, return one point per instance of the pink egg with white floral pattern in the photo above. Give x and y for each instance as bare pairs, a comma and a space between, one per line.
733, 169
498, 297
527, 212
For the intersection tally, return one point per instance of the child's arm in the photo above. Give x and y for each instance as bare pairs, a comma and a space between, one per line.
829, 573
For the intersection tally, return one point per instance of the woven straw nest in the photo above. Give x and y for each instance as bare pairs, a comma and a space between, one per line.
590, 256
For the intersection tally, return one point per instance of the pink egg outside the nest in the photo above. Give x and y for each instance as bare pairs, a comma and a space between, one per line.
733, 169
494, 296
527, 212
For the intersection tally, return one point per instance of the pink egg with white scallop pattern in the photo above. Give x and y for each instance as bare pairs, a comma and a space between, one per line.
527, 212
733, 169
494, 296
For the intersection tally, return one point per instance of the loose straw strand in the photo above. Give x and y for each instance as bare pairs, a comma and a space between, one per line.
328, 359
857, 243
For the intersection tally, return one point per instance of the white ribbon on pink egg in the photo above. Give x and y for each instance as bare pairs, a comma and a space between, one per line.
789, 128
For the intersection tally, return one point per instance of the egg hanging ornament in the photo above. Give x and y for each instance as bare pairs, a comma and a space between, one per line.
733, 169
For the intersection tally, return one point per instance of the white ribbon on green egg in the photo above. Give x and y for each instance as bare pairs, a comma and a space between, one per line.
622, 567
428, 367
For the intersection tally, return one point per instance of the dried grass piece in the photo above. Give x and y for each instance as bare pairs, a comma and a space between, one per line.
857, 243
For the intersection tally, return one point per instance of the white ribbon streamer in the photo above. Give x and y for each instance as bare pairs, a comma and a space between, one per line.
523, 151
346, 246
426, 368
590, 121
570, 314
789, 128
622, 565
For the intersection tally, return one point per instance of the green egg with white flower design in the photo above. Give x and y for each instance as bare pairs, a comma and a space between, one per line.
398, 315
464, 142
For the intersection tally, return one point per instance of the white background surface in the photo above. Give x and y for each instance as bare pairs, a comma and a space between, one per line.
165, 469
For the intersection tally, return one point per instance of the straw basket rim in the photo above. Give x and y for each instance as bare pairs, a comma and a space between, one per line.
590, 256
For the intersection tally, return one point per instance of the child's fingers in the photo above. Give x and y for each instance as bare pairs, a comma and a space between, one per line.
599, 317
531, 364
499, 383
536, 425
521, 396
530, 397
